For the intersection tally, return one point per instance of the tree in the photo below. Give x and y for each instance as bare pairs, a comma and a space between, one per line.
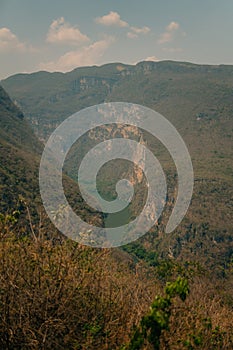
157, 320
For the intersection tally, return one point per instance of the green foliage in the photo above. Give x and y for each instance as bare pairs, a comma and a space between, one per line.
137, 250
180, 287
10, 218
157, 320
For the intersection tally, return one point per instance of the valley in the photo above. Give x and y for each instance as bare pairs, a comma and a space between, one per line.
162, 291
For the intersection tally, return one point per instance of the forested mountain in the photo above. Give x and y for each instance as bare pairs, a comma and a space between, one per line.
197, 99
164, 291
19, 166
19, 156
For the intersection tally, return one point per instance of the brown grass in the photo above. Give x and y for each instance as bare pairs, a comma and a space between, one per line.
66, 296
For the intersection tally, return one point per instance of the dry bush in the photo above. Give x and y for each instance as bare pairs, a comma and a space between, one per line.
65, 296
202, 322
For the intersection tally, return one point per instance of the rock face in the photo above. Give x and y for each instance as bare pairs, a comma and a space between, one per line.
87, 83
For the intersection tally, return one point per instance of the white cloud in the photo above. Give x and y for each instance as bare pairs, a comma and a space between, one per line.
173, 26
147, 59
135, 31
61, 32
86, 56
131, 35
168, 35
151, 58
143, 30
112, 19
10, 43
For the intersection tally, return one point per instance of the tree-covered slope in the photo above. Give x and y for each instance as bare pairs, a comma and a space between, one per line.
20, 152
197, 99
19, 156
61, 295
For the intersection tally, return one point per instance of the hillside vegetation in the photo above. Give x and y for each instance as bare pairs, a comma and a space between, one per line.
19, 169
197, 99
66, 296
164, 291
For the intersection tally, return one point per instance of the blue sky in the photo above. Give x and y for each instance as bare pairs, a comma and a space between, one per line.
61, 35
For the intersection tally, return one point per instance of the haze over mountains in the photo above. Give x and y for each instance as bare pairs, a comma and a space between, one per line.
197, 99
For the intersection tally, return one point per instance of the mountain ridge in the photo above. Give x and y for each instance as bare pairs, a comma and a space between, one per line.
196, 99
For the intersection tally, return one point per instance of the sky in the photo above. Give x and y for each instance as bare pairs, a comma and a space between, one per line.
61, 35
